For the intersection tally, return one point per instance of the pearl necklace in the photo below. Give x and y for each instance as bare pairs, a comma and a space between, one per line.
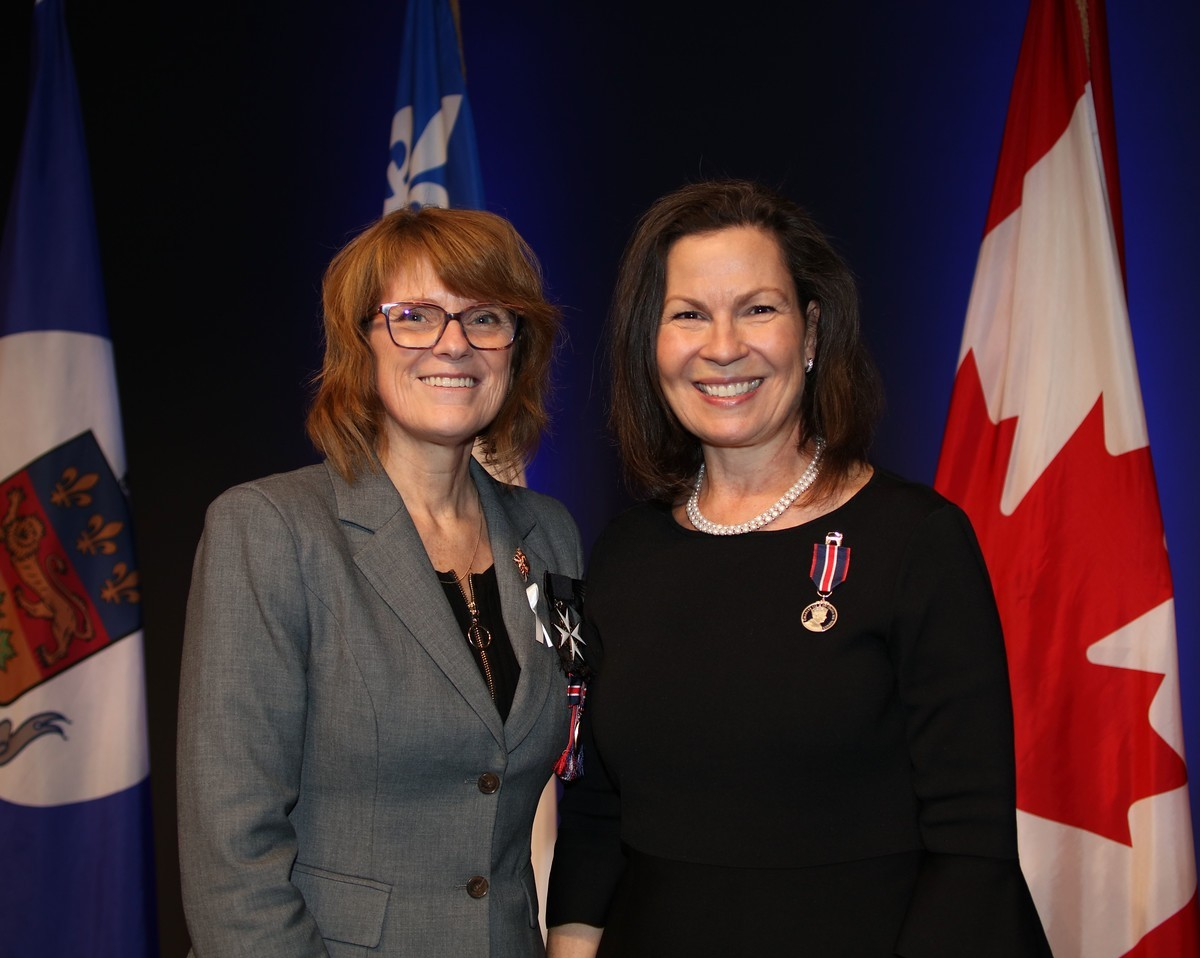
803, 484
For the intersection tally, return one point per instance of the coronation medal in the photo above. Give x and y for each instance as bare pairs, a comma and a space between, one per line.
830, 565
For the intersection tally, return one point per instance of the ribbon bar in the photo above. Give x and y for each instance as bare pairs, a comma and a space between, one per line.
830, 565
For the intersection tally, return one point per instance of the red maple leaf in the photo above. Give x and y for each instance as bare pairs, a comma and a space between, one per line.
1082, 556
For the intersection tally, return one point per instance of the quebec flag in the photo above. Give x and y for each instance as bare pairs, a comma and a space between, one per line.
434, 159
76, 846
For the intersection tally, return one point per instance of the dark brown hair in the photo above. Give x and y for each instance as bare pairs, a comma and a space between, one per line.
476, 255
842, 397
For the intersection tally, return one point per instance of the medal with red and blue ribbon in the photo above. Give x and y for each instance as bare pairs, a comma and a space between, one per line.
565, 598
830, 566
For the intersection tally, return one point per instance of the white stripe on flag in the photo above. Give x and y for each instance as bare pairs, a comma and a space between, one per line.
80, 395
1033, 330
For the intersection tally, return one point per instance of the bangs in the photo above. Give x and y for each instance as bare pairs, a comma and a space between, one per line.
475, 257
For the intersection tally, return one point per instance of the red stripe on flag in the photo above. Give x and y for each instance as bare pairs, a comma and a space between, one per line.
1105, 119
1052, 71
1175, 936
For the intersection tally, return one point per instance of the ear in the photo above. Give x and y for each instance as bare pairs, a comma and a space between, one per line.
812, 316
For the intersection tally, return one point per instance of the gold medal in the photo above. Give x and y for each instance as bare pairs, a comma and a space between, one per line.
819, 616
830, 564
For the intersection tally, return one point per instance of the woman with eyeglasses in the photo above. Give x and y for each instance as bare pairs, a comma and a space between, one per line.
371, 702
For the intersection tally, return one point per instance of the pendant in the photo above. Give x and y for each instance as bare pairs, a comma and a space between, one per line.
479, 636
818, 616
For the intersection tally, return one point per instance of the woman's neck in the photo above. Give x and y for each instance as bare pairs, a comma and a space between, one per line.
434, 481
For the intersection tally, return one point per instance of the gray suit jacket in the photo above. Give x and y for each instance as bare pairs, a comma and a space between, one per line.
338, 750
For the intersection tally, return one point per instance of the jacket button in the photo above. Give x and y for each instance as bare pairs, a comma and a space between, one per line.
489, 782
477, 887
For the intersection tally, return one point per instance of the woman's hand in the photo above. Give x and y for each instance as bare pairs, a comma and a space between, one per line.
573, 940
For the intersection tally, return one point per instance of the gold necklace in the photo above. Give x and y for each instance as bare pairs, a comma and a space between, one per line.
474, 552
478, 636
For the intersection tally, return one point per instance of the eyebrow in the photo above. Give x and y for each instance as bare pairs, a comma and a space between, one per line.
740, 300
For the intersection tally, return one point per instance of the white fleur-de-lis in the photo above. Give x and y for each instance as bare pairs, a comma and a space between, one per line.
429, 153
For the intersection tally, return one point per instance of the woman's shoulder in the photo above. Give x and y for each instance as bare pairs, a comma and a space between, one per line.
281, 491
532, 499
543, 507
906, 508
542, 520
639, 517
891, 490
634, 527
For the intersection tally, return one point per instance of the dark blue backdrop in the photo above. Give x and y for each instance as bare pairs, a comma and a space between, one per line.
234, 150
887, 125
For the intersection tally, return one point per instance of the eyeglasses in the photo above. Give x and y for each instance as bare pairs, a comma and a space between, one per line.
421, 325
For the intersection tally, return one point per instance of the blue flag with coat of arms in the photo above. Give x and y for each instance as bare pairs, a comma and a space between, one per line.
434, 159
76, 842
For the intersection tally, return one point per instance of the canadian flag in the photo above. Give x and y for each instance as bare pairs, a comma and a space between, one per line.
1046, 448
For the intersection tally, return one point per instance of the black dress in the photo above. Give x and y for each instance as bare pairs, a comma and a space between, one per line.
755, 787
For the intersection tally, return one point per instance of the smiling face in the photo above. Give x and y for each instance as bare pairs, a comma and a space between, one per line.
444, 395
733, 341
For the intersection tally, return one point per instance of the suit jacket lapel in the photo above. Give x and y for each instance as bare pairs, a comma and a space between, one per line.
396, 564
509, 527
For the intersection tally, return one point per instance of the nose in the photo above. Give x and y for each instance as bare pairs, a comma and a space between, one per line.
452, 341
724, 343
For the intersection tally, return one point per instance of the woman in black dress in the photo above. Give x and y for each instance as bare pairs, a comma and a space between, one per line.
799, 740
